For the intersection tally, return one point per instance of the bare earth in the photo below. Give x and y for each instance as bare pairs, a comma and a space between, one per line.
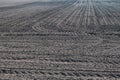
60, 40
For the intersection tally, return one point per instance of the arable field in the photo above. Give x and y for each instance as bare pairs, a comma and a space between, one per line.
60, 40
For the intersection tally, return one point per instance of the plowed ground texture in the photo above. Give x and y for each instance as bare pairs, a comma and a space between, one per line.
60, 40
